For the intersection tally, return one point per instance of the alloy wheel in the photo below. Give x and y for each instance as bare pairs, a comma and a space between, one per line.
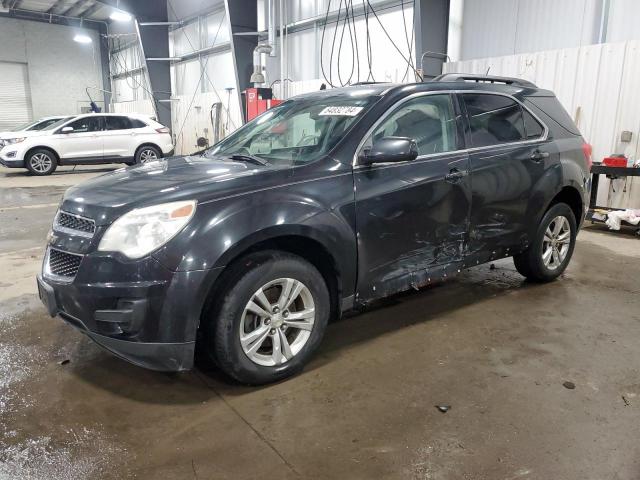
41, 162
556, 242
148, 155
277, 322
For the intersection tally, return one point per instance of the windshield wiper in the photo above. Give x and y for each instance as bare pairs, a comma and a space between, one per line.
249, 158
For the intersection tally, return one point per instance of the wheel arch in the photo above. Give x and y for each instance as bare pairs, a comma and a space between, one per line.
301, 242
42, 147
148, 144
571, 196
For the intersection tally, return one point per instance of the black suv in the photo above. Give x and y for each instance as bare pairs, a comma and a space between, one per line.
324, 203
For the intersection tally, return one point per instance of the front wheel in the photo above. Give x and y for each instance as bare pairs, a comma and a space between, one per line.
271, 318
41, 162
550, 252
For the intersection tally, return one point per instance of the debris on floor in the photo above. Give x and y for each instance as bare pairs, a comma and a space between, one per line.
443, 408
569, 385
615, 217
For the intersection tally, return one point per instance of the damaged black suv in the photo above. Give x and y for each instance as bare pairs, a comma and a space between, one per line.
322, 204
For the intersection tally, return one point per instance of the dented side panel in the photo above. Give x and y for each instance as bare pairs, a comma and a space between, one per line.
412, 223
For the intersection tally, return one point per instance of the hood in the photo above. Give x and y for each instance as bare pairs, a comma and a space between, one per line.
109, 196
24, 133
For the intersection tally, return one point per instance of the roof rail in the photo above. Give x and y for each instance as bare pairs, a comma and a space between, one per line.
468, 77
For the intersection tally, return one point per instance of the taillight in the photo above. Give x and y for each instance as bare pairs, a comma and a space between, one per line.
163, 130
588, 150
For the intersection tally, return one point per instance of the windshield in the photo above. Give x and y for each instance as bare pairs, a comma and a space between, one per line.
25, 126
295, 132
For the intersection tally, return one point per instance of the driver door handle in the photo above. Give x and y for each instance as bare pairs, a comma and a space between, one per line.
455, 175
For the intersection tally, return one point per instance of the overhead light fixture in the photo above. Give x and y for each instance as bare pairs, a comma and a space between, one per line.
120, 16
80, 38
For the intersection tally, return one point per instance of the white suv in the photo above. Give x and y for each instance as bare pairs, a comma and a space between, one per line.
88, 139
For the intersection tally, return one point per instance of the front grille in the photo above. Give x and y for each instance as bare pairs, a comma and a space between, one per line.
74, 222
63, 264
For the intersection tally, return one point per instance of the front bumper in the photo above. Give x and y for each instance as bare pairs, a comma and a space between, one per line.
11, 162
141, 311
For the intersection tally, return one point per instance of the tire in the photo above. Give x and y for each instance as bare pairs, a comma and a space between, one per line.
41, 162
270, 272
146, 153
539, 262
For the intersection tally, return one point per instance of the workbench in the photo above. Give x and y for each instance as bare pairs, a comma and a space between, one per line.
611, 172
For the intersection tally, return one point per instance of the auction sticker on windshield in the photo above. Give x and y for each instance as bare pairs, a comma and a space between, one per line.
338, 110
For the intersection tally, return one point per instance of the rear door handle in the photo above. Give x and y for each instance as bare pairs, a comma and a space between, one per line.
538, 155
455, 175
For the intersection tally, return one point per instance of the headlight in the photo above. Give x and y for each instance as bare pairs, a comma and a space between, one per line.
11, 141
143, 230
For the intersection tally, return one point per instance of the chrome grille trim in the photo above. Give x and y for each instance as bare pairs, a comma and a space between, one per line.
72, 224
60, 265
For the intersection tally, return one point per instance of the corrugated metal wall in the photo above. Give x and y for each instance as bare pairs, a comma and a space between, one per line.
505, 27
598, 85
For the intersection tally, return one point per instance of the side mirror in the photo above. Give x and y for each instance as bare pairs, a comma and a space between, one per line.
390, 149
66, 130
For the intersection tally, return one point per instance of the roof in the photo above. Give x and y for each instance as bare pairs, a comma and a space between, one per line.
510, 86
94, 10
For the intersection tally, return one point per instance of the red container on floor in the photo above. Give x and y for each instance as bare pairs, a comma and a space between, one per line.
615, 161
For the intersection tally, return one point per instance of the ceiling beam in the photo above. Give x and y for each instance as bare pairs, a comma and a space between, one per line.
80, 4
56, 6
87, 12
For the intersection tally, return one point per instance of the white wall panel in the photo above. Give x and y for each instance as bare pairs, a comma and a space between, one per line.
597, 85
144, 107
503, 27
624, 20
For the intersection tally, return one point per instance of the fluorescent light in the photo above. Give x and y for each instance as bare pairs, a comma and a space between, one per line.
120, 16
82, 38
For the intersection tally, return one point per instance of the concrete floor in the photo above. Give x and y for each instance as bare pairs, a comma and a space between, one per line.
493, 347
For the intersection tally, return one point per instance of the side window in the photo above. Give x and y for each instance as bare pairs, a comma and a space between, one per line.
86, 124
428, 119
531, 126
494, 119
135, 123
117, 123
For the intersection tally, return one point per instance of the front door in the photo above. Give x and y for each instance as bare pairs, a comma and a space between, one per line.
510, 153
412, 217
84, 144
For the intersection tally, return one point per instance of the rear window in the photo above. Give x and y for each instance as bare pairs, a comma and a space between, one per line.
135, 123
117, 123
494, 119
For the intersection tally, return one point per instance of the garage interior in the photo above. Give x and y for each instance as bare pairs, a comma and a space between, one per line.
482, 376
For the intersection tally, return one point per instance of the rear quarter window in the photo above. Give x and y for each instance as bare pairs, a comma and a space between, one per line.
554, 109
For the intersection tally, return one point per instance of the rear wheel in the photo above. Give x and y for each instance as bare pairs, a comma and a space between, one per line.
271, 318
552, 247
41, 162
147, 153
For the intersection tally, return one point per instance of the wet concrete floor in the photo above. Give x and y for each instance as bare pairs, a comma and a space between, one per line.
494, 348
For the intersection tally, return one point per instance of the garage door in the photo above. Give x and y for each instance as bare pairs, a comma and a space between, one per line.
15, 95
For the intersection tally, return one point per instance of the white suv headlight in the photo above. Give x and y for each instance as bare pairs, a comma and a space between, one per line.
143, 230
11, 141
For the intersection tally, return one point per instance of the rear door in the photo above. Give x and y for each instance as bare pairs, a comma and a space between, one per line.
412, 217
119, 137
84, 144
510, 153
